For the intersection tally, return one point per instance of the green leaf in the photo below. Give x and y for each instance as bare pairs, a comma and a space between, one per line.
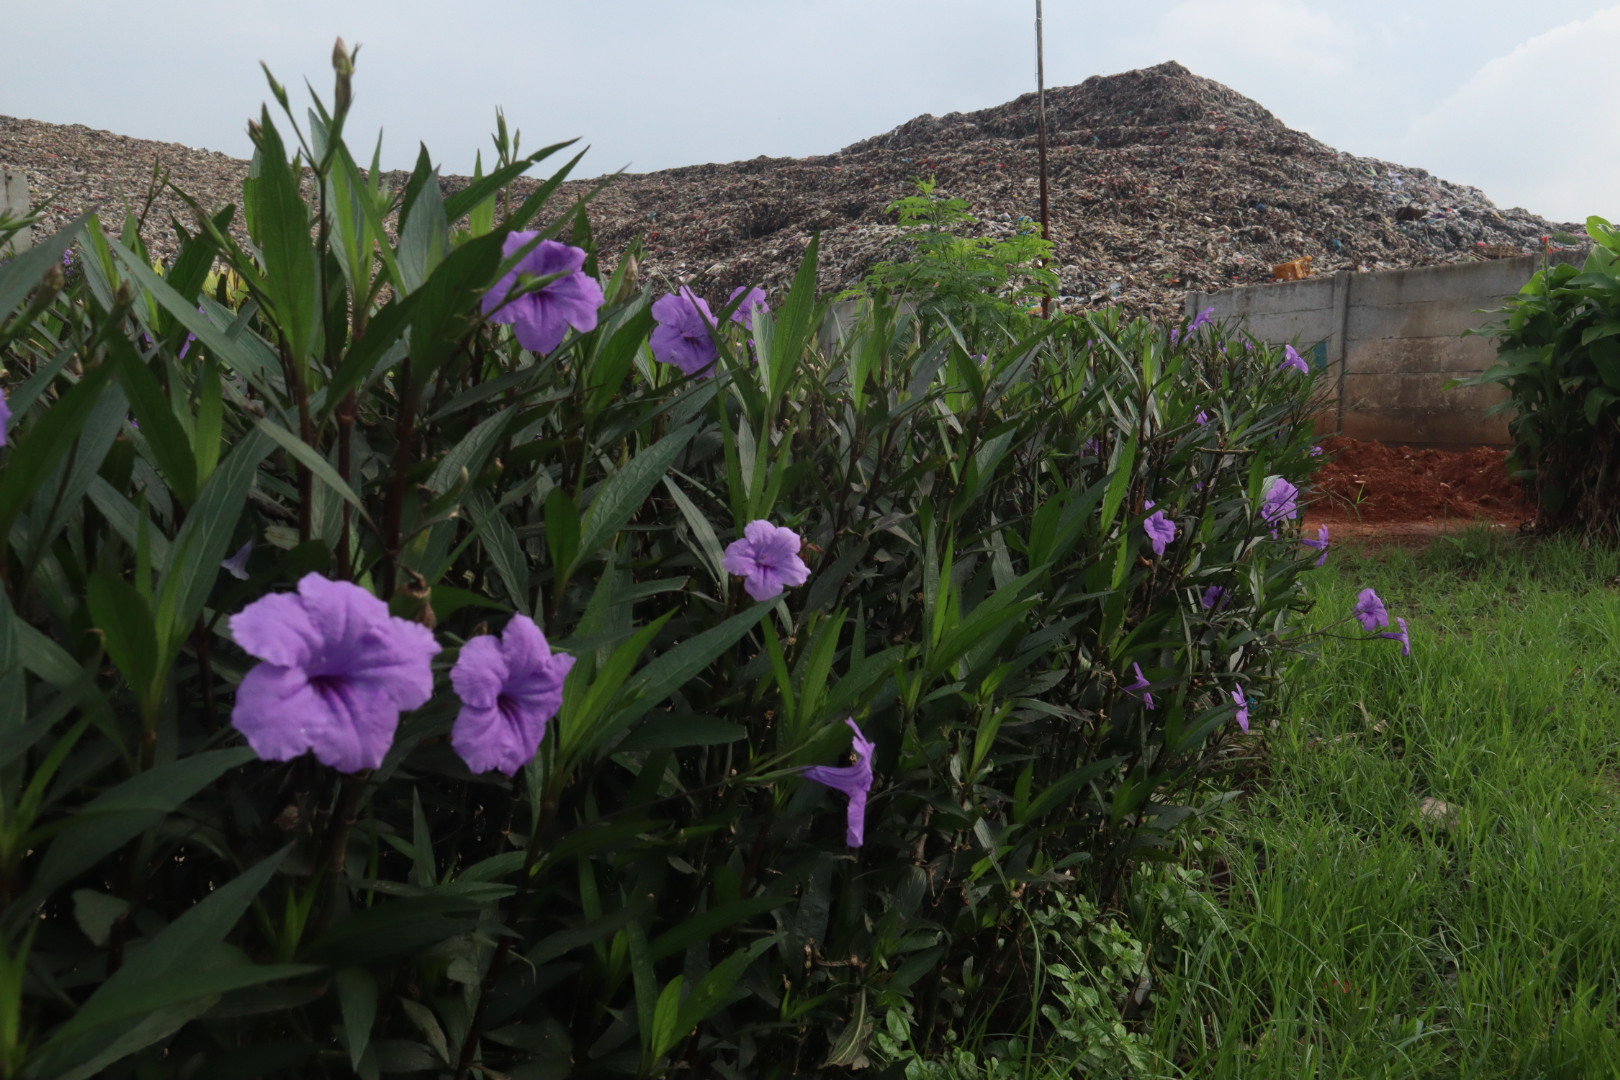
449, 300
223, 344
793, 324
680, 731
204, 539
666, 1031
704, 926
314, 462
501, 544
124, 618
32, 459
166, 973
464, 201
1118, 484
23, 274
280, 223
395, 929
623, 493
677, 667
471, 452
722, 984
425, 238
562, 528
168, 443
117, 815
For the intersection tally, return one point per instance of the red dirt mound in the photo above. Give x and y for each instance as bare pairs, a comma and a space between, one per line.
1378, 483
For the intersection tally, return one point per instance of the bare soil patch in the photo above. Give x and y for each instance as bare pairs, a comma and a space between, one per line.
1400, 494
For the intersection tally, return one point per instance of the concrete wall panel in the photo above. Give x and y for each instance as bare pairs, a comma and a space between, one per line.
1307, 327
1307, 295
1439, 318
1453, 356
1394, 341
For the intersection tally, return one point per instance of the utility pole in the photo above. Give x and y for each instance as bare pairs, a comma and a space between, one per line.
1040, 139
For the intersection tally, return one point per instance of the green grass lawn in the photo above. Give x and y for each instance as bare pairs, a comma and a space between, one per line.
1354, 933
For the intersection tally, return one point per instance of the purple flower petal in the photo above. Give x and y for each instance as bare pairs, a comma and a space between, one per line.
1141, 685
767, 558
1160, 529
509, 689
744, 311
337, 671
683, 336
1292, 359
541, 319
5, 417
1213, 596
854, 781
1401, 636
1279, 502
1320, 543
1370, 610
236, 565
1243, 707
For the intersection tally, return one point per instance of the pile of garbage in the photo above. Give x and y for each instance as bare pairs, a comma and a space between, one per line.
1161, 182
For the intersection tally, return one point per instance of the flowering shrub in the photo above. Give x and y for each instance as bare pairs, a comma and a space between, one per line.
300, 809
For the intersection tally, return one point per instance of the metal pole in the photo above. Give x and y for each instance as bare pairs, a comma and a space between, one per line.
1040, 95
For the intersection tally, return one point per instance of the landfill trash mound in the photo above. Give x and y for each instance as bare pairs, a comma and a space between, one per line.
1377, 483
1161, 182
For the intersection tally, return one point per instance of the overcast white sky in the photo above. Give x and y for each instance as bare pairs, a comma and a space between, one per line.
1518, 99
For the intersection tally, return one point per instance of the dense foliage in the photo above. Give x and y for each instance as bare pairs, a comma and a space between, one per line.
1558, 355
1048, 575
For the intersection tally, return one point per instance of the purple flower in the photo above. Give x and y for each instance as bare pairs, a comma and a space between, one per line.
1160, 529
1202, 417
682, 337
1205, 318
1370, 610
5, 416
744, 312
1320, 543
1094, 446
853, 780
1175, 335
509, 688
1141, 684
1280, 501
1402, 636
767, 558
337, 671
1214, 596
1316, 451
1292, 359
236, 565
541, 319
1243, 707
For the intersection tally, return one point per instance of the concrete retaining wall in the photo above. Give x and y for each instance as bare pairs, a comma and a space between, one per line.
1391, 341
13, 202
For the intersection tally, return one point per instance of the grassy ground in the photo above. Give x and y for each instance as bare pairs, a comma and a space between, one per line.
1359, 932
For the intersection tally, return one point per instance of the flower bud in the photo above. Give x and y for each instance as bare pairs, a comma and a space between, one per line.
343, 64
